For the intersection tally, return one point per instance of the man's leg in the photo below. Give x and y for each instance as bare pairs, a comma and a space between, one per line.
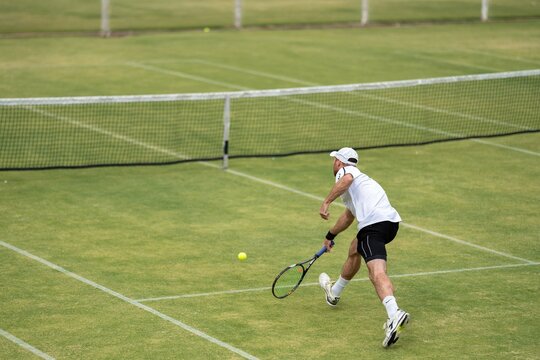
385, 290
352, 264
383, 285
350, 268
379, 278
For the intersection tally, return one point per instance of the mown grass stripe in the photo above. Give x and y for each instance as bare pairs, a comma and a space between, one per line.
384, 99
25, 345
279, 186
135, 303
268, 288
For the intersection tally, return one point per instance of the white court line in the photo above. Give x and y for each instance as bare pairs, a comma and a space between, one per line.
186, 76
304, 102
449, 62
312, 103
271, 183
446, 112
267, 288
99, 130
380, 98
255, 72
459, 241
423, 107
502, 57
525, 151
411, 226
129, 301
25, 345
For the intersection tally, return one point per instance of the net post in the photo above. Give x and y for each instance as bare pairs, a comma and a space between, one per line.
238, 14
105, 17
485, 10
365, 13
226, 129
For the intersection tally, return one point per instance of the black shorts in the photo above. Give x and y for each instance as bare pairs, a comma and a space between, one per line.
373, 238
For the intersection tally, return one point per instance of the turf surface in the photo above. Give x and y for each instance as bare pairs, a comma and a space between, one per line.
175, 231
33, 16
168, 231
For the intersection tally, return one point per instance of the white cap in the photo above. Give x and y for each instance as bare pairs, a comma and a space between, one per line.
346, 155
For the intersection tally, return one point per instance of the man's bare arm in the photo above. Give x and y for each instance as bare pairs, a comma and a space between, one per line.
337, 190
344, 221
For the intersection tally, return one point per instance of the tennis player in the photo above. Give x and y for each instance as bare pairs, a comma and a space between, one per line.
378, 224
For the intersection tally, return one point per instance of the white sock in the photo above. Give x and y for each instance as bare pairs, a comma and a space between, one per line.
390, 304
338, 287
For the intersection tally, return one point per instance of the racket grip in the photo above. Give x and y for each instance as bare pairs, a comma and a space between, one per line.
323, 249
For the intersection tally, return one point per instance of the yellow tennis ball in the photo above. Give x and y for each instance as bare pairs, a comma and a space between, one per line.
242, 256
206, 29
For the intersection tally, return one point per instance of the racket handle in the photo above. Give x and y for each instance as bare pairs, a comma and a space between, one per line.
323, 250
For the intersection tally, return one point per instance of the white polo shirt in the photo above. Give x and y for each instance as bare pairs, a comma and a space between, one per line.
366, 199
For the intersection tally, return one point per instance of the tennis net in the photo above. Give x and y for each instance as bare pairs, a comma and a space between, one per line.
78, 132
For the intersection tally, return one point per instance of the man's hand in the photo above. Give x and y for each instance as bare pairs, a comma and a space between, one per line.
323, 211
328, 244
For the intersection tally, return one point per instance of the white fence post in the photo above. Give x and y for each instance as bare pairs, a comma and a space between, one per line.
105, 14
365, 13
238, 14
226, 128
485, 10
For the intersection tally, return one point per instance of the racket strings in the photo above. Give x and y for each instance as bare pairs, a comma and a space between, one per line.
288, 281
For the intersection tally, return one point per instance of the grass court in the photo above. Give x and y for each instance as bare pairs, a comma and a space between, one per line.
140, 262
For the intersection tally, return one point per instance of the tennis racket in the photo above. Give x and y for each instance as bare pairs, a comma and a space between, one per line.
289, 279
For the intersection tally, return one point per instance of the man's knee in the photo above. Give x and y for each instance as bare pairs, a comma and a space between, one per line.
377, 276
377, 270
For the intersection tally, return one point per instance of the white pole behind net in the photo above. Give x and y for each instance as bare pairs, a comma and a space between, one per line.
238, 14
365, 13
485, 10
105, 17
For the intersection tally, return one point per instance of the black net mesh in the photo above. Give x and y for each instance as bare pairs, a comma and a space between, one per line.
38, 135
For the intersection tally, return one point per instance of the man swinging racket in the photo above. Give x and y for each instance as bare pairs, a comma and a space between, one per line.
378, 223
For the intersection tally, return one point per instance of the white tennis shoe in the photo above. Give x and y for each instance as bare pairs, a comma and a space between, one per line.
326, 285
394, 326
